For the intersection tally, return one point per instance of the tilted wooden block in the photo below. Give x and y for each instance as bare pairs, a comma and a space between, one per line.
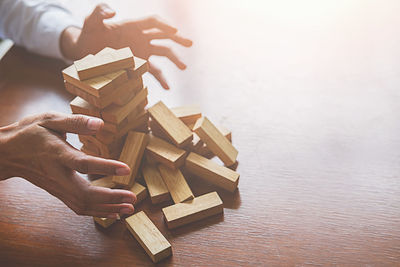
157, 131
104, 63
140, 191
106, 150
155, 184
99, 102
202, 149
104, 222
131, 88
193, 210
148, 236
90, 151
115, 113
165, 153
141, 67
215, 141
187, 114
99, 86
133, 124
176, 184
104, 182
174, 128
212, 172
116, 128
81, 106
132, 154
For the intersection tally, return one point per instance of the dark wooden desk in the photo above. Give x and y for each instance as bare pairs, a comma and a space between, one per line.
311, 92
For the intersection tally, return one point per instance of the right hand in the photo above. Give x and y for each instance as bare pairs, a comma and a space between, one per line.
36, 149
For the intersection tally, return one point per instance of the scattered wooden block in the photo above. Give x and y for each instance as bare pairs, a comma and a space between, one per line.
131, 154
148, 236
104, 63
81, 106
157, 131
187, 114
165, 153
140, 191
104, 222
174, 128
176, 184
157, 189
215, 141
99, 86
212, 172
104, 182
193, 210
202, 149
115, 113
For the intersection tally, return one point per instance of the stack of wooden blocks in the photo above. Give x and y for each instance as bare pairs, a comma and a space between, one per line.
180, 138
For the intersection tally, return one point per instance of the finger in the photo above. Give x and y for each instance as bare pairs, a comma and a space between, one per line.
99, 13
71, 123
159, 50
102, 214
154, 22
79, 161
102, 195
174, 37
157, 73
121, 209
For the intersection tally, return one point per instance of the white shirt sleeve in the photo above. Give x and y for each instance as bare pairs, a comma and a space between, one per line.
36, 25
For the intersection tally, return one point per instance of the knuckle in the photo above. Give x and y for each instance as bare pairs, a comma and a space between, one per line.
48, 116
82, 164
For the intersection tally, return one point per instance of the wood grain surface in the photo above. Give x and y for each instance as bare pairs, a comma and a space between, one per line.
310, 90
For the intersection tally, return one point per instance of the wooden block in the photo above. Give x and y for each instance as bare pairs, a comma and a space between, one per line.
116, 128
90, 151
215, 141
132, 154
131, 88
148, 236
104, 63
176, 184
157, 131
104, 222
141, 67
81, 106
99, 102
155, 184
106, 150
212, 172
140, 191
99, 86
133, 124
193, 210
174, 128
187, 114
104, 182
165, 153
202, 149
115, 113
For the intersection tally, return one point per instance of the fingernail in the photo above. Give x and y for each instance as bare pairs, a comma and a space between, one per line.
125, 211
94, 124
127, 200
122, 171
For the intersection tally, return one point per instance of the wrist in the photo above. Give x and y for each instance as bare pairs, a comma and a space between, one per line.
69, 43
7, 170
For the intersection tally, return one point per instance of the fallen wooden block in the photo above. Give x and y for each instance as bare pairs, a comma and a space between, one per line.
174, 128
115, 113
104, 222
148, 236
215, 141
193, 210
212, 172
155, 184
99, 86
187, 114
116, 128
131, 154
176, 184
202, 149
157, 131
140, 191
104, 63
165, 153
133, 124
81, 106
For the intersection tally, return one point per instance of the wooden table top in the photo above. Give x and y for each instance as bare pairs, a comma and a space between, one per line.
310, 90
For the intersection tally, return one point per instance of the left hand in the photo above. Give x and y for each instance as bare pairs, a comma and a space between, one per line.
136, 34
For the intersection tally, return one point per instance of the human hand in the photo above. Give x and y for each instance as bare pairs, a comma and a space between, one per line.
136, 34
36, 149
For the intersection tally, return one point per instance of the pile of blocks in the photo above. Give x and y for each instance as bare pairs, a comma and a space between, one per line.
156, 144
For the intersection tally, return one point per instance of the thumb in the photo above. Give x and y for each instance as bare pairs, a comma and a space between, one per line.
100, 13
79, 124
